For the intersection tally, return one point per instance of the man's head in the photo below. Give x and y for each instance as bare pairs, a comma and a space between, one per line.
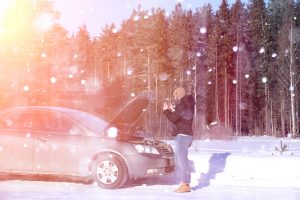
179, 93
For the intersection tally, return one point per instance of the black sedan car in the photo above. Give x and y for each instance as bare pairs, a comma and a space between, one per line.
42, 140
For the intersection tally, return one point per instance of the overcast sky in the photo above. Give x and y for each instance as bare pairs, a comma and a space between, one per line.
96, 13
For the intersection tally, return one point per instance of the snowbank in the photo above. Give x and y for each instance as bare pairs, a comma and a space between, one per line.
249, 161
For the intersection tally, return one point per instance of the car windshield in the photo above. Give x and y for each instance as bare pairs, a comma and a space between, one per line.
93, 123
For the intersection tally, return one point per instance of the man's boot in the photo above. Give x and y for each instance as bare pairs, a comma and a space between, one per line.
184, 187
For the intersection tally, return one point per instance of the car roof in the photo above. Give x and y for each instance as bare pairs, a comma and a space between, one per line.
56, 108
90, 121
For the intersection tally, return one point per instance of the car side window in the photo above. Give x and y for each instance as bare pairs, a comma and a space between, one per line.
20, 120
56, 123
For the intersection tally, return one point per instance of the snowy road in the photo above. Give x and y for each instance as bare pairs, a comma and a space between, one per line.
57, 190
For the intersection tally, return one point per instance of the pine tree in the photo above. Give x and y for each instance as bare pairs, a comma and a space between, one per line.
203, 92
241, 103
179, 40
257, 46
82, 50
107, 51
224, 53
288, 51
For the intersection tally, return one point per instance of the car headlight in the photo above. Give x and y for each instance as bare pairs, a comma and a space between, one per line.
145, 149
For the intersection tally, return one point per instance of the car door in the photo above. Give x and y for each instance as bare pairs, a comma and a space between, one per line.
16, 141
59, 144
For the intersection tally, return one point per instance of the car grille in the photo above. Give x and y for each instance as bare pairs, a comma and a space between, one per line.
169, 169
166, 150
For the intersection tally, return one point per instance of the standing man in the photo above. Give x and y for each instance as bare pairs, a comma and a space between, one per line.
181, 115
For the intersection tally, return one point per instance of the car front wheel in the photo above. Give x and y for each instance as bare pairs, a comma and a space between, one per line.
109, 171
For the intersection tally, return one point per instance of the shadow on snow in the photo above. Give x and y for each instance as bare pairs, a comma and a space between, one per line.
217, 164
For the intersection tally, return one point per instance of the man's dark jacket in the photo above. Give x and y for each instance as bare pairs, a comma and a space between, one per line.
182, 117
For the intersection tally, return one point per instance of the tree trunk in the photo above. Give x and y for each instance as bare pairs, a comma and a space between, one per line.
226, 100
282, 115
292, 84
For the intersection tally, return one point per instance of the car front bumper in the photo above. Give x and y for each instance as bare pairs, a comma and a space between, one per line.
143, 166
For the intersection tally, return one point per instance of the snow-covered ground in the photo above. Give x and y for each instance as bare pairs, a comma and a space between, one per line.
244, 168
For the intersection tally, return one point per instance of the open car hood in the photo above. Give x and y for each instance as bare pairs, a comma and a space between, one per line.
126, 119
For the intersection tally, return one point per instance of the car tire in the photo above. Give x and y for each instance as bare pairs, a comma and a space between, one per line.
109, 171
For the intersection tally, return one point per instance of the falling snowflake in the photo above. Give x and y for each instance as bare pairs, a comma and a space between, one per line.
8, 122
163, 76
73, 69
54, 147
43, 55
44, 22
203, 30
53, 80
286, 51
129, 72
26, 88
115, 30
81, 12
136, 18
264, 79
262, 50
235, 48
274, 55
73, 150
234, 81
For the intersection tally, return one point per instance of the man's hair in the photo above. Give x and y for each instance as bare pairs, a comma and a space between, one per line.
179, 92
